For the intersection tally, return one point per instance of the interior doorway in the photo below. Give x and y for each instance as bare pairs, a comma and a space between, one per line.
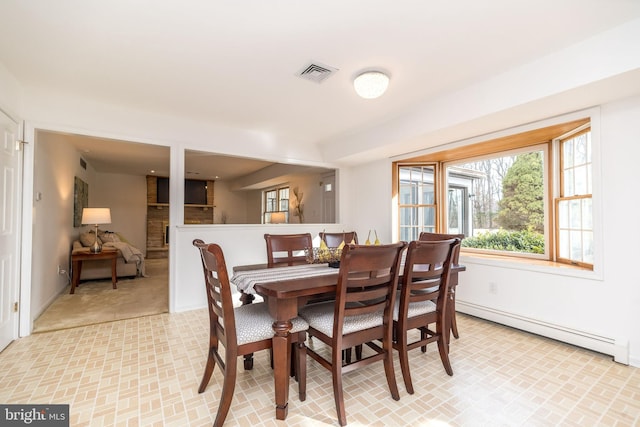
329, 198
115, 173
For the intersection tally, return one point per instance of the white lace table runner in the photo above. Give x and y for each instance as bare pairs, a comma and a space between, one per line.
245, 280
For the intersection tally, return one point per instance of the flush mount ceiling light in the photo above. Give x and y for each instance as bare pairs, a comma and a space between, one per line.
371, 84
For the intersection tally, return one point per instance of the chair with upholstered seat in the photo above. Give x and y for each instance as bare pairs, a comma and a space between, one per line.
426, 236
425, 279
241, 331
361, 314
287, 249
333, 240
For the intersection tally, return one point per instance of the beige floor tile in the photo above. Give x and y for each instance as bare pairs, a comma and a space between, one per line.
146, 371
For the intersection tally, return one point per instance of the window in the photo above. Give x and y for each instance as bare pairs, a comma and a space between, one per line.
276, 205
507, 208
574, 204
417, 202
525, 195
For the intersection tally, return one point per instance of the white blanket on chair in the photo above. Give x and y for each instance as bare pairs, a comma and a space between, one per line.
130, 254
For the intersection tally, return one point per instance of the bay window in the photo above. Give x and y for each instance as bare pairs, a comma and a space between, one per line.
524, 195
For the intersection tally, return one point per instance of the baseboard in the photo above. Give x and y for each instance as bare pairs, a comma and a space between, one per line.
191, 307
616, 347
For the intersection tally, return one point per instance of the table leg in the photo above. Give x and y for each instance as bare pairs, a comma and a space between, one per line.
75, 275
246, 298
281, 366
114, 274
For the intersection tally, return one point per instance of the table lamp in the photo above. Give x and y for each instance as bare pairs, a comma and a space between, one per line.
278, 218
96, 216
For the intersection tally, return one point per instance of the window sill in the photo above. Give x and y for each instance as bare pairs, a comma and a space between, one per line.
529, 264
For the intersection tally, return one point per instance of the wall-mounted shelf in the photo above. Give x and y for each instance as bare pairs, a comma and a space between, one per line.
166, 205
203, 207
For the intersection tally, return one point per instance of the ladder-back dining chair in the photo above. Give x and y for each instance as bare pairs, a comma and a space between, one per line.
242, 330
423, 301
333, 240
361, 314
287, 249
426, 236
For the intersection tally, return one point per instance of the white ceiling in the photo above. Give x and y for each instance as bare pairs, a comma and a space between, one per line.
236, 62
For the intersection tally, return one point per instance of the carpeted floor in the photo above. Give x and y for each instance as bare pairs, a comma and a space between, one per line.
96, 301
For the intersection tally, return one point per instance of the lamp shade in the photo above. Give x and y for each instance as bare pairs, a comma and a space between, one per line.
371, 84
96, 216
278, 218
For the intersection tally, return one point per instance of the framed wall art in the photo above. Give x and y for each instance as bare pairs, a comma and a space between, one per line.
80, 200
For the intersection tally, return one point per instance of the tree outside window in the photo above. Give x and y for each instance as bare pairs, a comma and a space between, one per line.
508, 203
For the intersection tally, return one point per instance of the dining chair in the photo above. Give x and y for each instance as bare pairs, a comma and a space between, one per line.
361, 313
426, 236
425, 279
333, 240
242, 330
287, 249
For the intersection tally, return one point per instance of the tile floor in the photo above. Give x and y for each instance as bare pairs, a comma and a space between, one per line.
146, 371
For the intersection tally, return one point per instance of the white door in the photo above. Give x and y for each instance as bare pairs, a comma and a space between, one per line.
10, 181
329, 199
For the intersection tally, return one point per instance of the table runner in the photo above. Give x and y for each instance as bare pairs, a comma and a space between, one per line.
245, 280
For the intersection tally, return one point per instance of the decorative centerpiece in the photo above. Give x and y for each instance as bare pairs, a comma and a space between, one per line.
324, 255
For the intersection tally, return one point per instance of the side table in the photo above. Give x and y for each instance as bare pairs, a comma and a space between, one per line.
79, 257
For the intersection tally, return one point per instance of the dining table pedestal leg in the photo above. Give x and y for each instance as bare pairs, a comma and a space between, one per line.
281, 366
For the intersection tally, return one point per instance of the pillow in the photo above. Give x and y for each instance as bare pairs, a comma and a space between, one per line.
108, 236
88, 238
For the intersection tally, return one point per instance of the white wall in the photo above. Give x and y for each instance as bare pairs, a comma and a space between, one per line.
56, 165
230, 204
621, 204
10, 94
369, 197
57, 111
242, 245
311, 191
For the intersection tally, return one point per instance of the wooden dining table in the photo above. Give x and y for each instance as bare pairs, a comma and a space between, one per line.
285, 290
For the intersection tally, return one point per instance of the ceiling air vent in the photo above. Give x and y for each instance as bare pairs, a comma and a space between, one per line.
317, 72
